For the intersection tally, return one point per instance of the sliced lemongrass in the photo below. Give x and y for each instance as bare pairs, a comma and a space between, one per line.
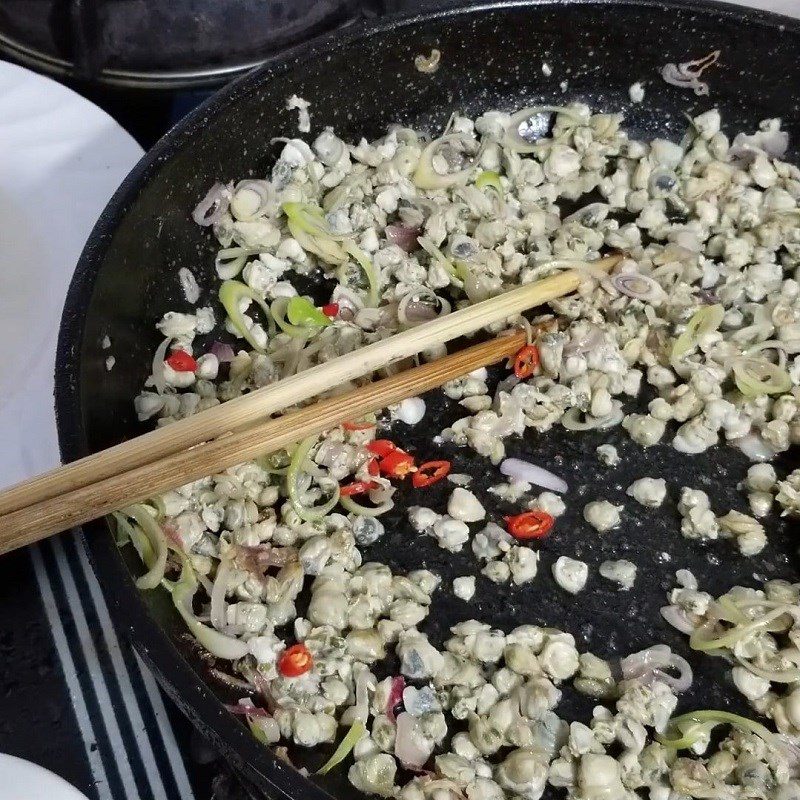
777, 345
311, 231
296, 468
726, 609
159, 379
704, 321
338, 196
124, 530
757, 376
774, 675
426, 177
311, 219
326, 249
137, 538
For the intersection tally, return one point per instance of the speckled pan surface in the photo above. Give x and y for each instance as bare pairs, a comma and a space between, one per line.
358, 81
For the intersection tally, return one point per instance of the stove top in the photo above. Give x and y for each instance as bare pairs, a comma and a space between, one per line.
152, 44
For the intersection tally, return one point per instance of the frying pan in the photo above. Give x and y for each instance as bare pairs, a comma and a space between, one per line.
360, 80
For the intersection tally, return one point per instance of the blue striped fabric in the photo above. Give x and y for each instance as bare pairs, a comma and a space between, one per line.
130, 745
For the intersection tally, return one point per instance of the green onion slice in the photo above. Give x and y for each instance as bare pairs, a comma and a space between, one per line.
367, 267
688, 729
357, 730
218, 644
150, 542
308, 226
490, 180
365, 511
296, 469
278, 311
457, 271
697, 640
426, 177
229, 295
301, 311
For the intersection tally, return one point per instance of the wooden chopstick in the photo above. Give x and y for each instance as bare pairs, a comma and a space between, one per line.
251, 408
37, 521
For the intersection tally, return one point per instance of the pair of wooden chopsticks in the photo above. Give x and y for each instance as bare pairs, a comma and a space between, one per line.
240, 430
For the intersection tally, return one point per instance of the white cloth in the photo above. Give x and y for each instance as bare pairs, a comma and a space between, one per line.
789, 7
62, 158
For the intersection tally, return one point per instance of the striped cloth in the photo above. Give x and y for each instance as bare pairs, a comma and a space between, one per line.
129, 741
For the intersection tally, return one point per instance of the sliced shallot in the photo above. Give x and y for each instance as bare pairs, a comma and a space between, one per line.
687, 74
649, 665
678, 618
159, 379
223, 352
409, 744
403, 236
211, 208
638, 287
247, 710
395, 695
531, 473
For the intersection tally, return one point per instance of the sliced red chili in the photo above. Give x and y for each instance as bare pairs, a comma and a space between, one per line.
529, 525
181, 361
397, 464
381, 447
526, 361
430, 472
295, 660
358, 426
331, 309
357, 487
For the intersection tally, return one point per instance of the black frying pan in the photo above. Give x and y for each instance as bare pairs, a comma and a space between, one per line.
360, 80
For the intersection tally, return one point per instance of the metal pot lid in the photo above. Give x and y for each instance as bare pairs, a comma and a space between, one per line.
152, 44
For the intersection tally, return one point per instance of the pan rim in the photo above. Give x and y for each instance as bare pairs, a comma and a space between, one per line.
128, 609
